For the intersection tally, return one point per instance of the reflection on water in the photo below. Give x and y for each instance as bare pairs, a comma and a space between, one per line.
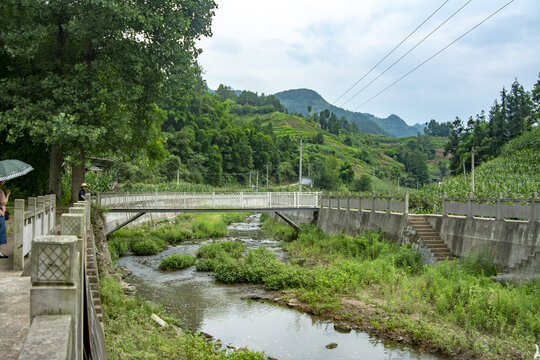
222, 311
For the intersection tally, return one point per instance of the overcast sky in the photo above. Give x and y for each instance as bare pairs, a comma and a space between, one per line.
270, 46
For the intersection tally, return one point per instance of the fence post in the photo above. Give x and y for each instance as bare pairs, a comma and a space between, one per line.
349, 201
469, 206
406, 204
56, 285
444, 214
359, 204
32, 204
499, 207
242, 200
75, 225
18, 235
533, 207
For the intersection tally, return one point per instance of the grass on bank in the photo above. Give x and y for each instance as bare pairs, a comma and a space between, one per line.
150, 239
131, 334
454, 306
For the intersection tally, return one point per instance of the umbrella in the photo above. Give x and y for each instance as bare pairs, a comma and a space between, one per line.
10, 169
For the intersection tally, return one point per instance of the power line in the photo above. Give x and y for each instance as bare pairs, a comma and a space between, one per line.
408, 52
398, 45
437, 53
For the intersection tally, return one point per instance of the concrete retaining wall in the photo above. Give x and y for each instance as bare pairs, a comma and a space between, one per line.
508, 241
513, 244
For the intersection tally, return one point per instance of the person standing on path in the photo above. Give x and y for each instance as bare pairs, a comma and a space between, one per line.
82, 192
4, 197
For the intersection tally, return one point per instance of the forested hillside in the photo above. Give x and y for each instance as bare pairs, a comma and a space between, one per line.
225, 139
507, 149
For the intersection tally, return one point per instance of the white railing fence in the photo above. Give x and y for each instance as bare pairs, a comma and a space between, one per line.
499, 208
374, 203
214, 200
36, 219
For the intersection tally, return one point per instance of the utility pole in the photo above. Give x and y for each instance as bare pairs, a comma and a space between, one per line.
472, 169
267, 176
300, 168
177, 177
250, 179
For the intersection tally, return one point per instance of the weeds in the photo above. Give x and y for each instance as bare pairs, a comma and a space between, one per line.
177, 262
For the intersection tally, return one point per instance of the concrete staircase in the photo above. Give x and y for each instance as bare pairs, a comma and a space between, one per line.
93, 279
430, 237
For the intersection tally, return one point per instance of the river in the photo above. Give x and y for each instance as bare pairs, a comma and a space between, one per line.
227, 313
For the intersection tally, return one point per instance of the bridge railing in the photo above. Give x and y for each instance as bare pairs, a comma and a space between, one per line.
499, 208
372, 202
214, 200
38, 219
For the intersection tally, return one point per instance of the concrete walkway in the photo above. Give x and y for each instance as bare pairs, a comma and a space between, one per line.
14, 305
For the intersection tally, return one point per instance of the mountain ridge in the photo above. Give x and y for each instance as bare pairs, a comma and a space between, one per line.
298, 100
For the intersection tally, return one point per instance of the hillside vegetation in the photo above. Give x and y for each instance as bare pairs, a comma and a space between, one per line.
297, 101
515, 174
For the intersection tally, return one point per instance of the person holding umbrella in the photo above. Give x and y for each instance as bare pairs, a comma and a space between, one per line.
9, 169
4, 198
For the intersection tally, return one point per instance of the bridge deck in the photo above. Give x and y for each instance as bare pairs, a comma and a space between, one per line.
200, 210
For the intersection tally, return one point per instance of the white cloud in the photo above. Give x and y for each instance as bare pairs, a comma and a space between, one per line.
270, 46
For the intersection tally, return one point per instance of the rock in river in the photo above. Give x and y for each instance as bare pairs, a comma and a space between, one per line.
331, 346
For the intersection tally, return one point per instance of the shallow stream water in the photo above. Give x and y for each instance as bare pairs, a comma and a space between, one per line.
227, 313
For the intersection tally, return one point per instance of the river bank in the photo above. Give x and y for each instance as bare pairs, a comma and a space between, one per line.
453, 308
360, 283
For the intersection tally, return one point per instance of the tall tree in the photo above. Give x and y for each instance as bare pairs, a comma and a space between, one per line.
86, 76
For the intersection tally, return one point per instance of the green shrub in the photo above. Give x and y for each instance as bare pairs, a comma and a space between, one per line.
146, 247
177, 262
230, 270
260, 263
206, 264
173, 234
408, 259
219, 248
119, 246
205, 228
480, 263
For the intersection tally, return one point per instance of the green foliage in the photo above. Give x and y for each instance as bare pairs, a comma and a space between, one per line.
98, 182
164, 187
507, 120
216, 249
362, 184
96, 92
177, 262
479, 263
515, 174
146, 247
280, 230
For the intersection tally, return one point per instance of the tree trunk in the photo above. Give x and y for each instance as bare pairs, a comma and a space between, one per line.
55, 172
77, 176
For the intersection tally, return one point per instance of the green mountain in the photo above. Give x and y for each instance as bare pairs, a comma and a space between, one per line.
298, 100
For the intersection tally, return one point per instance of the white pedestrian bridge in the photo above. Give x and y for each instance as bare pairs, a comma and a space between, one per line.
181, 202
